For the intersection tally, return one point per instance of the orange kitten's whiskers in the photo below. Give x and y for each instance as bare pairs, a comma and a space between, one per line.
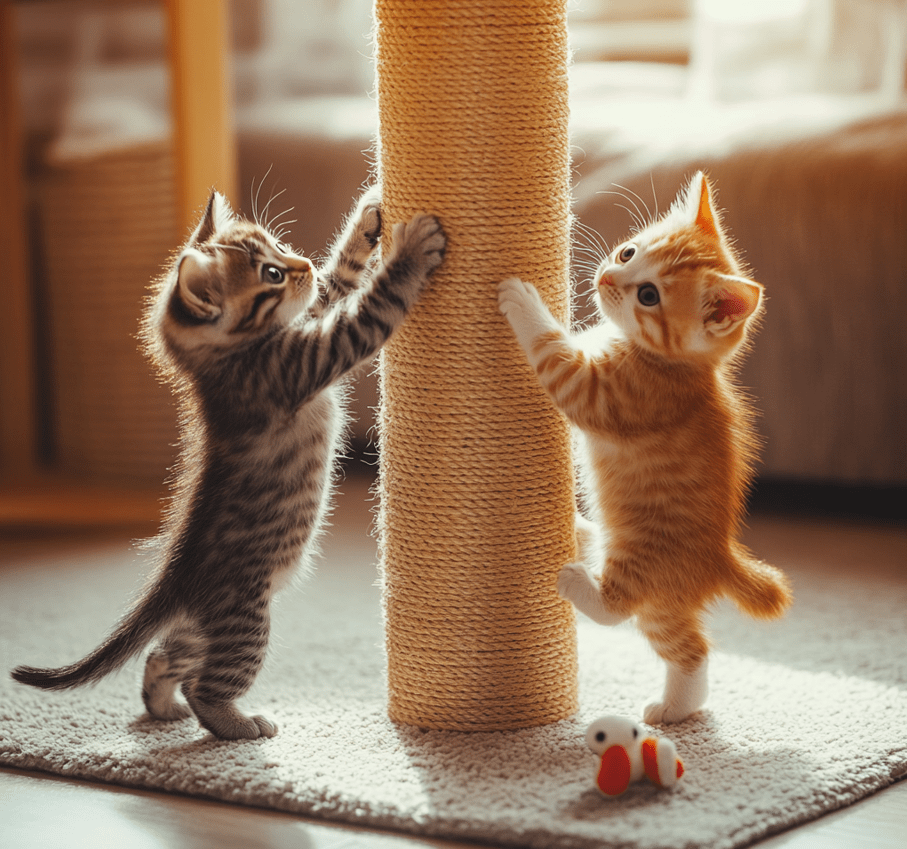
588, 252
648, 218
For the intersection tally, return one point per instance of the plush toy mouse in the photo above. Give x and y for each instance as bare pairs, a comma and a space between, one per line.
627, 755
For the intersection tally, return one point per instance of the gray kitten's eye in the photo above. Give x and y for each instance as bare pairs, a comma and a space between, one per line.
272, 274
648, 295
627, 253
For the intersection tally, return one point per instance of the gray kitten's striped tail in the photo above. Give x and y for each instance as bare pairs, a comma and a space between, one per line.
134, 632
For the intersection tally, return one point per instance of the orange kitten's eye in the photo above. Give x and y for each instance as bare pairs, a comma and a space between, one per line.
627, 253
648, 295
272, 274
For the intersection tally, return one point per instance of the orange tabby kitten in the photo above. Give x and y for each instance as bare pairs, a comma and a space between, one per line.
667, 436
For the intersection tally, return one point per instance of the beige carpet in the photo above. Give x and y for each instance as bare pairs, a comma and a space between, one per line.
807, 715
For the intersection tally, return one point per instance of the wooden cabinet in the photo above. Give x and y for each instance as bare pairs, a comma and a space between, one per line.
205, 157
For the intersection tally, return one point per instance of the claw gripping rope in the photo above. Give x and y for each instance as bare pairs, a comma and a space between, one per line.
476, 477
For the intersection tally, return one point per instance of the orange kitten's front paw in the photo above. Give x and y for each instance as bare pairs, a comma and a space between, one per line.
525, 311
518, 300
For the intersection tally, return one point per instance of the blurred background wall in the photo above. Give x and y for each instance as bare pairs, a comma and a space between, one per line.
796, 108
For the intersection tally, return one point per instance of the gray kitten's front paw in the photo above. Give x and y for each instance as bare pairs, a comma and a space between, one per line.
368, 215
421, 241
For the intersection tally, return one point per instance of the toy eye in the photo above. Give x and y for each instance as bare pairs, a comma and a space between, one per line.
648, 295
635, 733
601, 736
272, 274
627, 253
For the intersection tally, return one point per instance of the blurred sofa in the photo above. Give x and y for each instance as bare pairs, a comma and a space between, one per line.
806, 142
815, 193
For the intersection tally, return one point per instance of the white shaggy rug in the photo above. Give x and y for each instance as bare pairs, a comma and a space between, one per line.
807, 715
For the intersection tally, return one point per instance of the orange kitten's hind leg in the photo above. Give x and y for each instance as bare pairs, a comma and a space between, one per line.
577, 585
685, 650
685, 692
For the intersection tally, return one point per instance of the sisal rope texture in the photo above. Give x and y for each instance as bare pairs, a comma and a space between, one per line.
476, 477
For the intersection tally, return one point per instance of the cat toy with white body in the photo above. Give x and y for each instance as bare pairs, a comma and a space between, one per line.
625, 755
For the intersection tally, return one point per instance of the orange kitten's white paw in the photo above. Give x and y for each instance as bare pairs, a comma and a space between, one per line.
526, 313
664, 713
684, 694
514, 293
576, 585
519, 300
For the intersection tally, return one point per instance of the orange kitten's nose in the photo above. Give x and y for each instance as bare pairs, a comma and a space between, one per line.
607, 280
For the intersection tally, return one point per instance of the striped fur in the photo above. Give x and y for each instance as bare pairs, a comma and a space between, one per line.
256, 341
667, 441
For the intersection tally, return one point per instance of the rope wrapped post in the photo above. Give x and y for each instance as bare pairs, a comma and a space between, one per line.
476, 476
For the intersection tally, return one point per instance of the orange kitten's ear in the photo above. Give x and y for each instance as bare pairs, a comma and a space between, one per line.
194, 276
217, 216
731, 301
699, 203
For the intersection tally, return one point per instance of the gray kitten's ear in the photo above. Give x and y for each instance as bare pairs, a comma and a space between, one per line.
217, 216
194, 282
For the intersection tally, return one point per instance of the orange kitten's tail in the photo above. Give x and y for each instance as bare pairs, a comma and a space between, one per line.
758, 589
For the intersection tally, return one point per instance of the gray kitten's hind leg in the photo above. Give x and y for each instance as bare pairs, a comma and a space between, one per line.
222, 678
225, 720
166, 666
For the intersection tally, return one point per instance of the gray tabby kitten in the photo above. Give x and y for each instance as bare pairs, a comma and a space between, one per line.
255, 340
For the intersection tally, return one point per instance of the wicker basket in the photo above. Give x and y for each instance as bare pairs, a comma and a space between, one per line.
109, 224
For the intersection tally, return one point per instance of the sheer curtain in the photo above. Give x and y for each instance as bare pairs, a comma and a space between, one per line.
743, 50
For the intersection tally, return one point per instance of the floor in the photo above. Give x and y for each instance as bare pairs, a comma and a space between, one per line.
38, 810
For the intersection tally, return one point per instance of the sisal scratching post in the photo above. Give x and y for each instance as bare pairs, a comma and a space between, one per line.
476, 474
